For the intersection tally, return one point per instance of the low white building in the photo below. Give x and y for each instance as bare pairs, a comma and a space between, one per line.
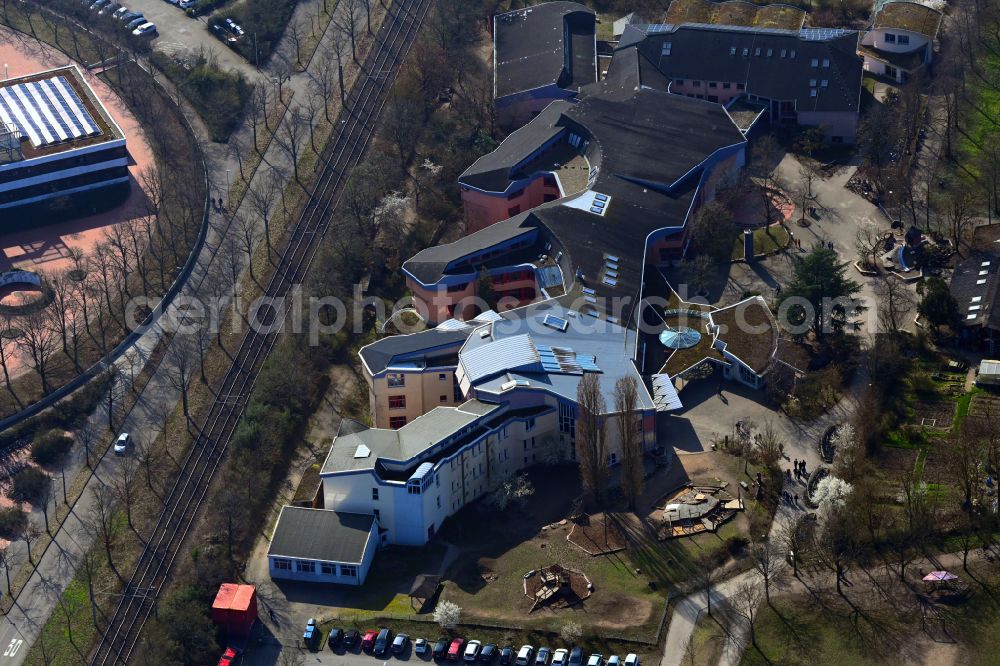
901, 39
316, 546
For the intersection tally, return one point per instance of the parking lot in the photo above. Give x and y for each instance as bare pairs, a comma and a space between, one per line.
184, 36
371, 647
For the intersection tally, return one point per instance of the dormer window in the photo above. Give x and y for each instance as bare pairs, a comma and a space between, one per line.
826, 62
756, 51
732, 50
814, 62
746, 52
824, 83
665, 49
812, 83
783, 52
792, 54
769, 52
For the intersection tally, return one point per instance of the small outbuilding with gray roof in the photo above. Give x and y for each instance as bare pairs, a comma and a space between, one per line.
317, 546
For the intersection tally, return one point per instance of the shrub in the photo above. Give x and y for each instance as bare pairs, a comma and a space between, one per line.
29, 484
12, 522
50, 446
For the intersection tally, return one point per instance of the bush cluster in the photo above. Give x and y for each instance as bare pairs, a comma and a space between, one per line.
29, 484
50, 446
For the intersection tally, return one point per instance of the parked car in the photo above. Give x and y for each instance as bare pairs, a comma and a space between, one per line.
543, 657
524, 655
420, 646
506, 655
351, 638
472, 650
128, 17
234, 27
440, 649
123, 443
400, 643
144, 30
631, 659
135, 23
596, 660
184, 4
368, 642
310, 634
560, 657
576, 657
614, 660
335, 638
120, 12
382, 641
99, 4
488, 653
109, 8
455, 649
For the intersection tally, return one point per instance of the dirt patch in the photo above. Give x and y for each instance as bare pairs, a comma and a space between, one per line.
897, 460
597, 535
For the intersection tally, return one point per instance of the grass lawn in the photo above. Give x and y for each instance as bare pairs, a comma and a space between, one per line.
828, 634
765, 240
984, 113
707, 641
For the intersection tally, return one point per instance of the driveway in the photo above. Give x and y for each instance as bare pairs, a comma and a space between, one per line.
182, 35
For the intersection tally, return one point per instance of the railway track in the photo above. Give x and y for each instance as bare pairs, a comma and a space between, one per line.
356, 125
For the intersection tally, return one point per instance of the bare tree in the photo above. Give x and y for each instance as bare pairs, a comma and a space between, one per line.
895, 302
249, 239
124, 485
868, 241
39, 341
181, 368
630, 436
290, 135
766, 560
591, 441
745, 604
101, 520
346, 18
8, 346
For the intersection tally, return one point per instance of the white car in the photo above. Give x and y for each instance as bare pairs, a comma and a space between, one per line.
120, 12
146, 28
560, 657
472, 649
123, 443
524, 655
184, 4
632, 659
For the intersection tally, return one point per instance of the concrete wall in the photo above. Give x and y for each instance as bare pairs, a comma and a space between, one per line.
843, 124
422, 390
705, 90
513, 111
485, 208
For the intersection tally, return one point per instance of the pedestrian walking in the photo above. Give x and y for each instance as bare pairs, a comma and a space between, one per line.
796, 499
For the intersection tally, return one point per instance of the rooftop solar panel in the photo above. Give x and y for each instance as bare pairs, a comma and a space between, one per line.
46, 112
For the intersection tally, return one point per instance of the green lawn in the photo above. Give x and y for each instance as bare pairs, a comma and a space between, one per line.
984, 116
765, 240
801, 632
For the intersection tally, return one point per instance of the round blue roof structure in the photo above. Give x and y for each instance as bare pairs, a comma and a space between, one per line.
680, 338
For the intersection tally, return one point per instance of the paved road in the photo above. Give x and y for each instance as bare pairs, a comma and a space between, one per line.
39, 597
179, 34
269, 654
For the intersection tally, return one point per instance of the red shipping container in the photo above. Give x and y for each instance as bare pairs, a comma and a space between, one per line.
235, 609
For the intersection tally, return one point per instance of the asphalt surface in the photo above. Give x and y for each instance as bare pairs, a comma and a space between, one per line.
181, 35
269, 654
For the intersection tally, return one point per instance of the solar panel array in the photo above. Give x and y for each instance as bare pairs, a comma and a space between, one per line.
47, 111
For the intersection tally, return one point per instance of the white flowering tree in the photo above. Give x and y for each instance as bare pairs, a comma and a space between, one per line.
448, 614
831, 494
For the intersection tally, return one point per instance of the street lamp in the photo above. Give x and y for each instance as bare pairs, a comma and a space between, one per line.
229, 173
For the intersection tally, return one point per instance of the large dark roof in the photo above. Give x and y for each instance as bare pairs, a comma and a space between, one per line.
974, 285
644, 147
531, 48
706, 53
379, 355
318, 534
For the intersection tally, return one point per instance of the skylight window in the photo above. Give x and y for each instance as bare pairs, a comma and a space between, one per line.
977, 299
984, 272
732, 50
972, 316
611, 282
812, 93
824, 83
980, 281
665, 49
973, 308
812, 83
814, 62
985, 264
826, 62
